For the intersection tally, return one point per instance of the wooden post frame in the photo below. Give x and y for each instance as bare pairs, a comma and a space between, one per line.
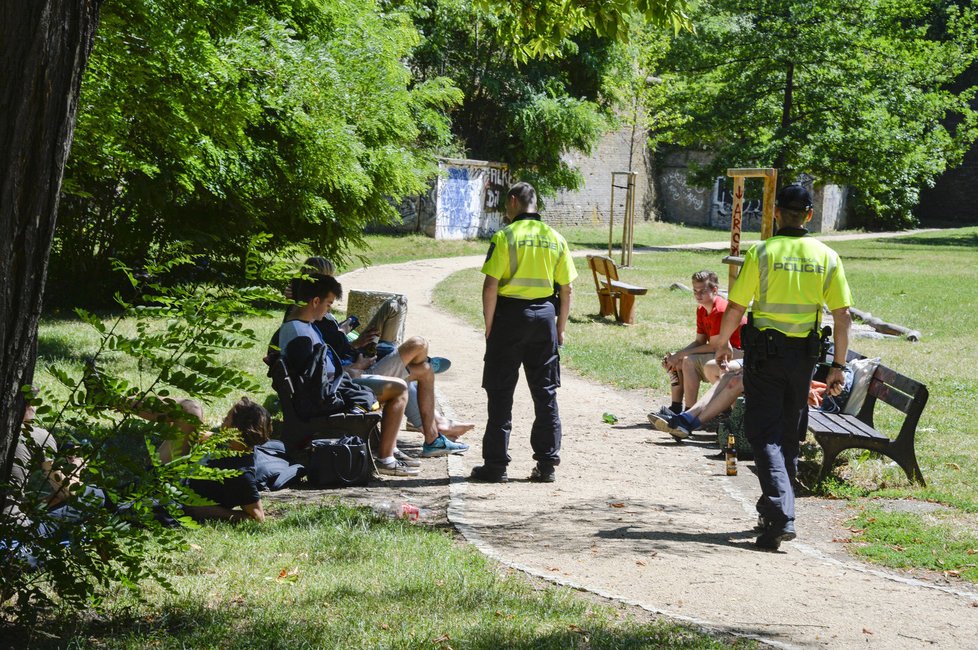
628, 223
770, 176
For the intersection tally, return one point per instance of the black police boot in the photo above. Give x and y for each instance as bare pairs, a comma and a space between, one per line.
543, 474
485, 474
773, 534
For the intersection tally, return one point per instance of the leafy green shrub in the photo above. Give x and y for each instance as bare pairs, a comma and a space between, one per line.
107, 449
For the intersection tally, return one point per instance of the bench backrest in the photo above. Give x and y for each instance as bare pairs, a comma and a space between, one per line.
283, 387
896, 390
603, 266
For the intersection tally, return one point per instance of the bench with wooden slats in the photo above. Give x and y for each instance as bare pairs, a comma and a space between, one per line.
612, 292
837, 432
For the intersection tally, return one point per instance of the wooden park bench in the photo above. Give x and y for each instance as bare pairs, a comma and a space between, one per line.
614, 296
836, 432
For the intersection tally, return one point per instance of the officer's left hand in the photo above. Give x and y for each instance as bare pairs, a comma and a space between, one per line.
835, 381
723, 355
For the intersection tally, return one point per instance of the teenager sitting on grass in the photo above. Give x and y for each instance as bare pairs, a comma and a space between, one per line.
186, 417
409, 362
35, 483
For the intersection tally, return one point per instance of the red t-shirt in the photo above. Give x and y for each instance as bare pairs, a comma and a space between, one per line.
709, 324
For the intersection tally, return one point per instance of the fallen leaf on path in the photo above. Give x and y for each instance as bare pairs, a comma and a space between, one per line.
617, 504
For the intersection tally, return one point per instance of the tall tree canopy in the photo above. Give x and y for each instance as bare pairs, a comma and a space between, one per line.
850, 91
212, 121
524, 114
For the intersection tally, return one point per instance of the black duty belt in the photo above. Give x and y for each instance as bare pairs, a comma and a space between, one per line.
509, 300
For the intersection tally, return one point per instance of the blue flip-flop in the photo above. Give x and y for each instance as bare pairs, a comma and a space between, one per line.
439, 364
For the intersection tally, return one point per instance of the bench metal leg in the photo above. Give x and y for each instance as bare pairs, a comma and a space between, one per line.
829, 453
905, 458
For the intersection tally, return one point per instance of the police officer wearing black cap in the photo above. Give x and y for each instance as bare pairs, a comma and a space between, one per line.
527, 265
788, 277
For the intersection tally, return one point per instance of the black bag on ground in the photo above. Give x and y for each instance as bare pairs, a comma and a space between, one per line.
339, 462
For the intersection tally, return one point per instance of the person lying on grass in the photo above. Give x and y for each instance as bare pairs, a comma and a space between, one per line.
249, 419
37, 483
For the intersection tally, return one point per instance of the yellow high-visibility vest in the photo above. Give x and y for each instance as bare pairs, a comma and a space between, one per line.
789, 278
528, 257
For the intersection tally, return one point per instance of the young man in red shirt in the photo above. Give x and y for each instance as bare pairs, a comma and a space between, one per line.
695, 362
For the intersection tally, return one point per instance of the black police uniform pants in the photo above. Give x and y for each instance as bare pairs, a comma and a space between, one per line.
776, 421
523, 333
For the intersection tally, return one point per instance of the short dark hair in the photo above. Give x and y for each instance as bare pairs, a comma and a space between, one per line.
709, 277
524, 193
319, 266
317, 286
252, 420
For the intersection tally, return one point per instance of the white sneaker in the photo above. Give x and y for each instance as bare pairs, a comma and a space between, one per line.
397, 468
410, 461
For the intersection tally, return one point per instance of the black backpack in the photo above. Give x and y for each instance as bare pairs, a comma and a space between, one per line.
315, 395
339, 462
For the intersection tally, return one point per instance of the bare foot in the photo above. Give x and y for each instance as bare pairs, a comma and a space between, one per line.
454, 429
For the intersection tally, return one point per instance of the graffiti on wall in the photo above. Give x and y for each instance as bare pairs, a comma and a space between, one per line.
469, 199
498, 181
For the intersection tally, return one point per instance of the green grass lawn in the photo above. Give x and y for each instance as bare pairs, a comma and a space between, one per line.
332, 576
921, 281
392, 249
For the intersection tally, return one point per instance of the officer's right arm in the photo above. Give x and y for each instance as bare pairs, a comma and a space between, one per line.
842, 320
490, 291
729, 324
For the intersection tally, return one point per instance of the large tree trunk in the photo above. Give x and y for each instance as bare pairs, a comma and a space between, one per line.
44, 46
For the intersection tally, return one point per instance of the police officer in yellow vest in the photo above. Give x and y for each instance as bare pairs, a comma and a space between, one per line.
789, 277
528, 263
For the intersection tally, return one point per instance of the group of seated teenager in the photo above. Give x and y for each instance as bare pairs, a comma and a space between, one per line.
398, 379
311, 335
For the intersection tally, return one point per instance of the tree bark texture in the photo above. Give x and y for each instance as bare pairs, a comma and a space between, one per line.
44, 47
786, 106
